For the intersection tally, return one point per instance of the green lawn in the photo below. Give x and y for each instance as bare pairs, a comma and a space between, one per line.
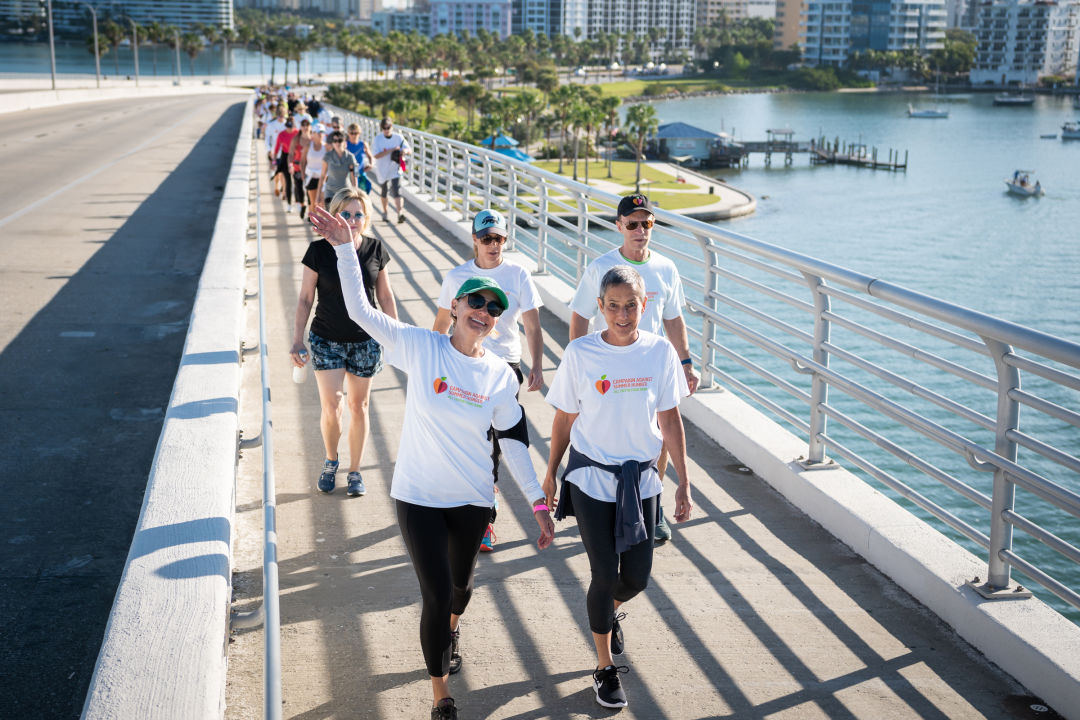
622, 173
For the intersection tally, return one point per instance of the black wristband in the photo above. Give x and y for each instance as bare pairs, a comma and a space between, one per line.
687, 361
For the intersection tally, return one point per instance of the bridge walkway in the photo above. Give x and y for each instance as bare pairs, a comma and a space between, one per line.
753, 610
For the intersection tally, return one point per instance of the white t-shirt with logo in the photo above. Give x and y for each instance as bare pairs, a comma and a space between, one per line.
663, 290
444, 459
520, 291
616, 393
386, 168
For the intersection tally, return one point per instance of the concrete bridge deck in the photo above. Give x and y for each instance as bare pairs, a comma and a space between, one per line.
754, 610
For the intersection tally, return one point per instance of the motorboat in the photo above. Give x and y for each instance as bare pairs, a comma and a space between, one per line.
935, 113
1070, 131
1014, 99
1023, 185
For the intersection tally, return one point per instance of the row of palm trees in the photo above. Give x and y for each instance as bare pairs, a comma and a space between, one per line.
581, 115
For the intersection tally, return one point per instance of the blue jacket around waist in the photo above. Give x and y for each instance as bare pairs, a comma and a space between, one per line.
629, 522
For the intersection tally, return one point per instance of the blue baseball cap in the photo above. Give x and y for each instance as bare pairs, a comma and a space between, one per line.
487, 222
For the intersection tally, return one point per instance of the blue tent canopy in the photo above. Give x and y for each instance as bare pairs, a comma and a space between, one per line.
514, 153
499, 140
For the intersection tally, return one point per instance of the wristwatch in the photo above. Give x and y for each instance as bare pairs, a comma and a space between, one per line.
687, 361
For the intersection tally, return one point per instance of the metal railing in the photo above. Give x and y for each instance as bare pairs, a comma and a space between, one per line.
268, 613
912, 391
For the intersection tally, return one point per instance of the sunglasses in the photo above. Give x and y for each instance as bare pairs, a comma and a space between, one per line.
634, 224
477, 301
354, 132
492, 238
351, 216
341, 140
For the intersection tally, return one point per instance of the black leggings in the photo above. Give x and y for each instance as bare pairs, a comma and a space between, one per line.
614, 576
443, 544
298, 189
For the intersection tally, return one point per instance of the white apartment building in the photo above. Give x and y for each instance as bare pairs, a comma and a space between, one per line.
835, 29
183, 14
1023, 40
675, 17
454, 17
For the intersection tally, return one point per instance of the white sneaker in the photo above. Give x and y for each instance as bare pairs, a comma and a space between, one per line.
288, 208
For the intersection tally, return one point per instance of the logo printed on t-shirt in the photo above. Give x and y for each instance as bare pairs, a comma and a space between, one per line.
603, 384
440, 385
621, 385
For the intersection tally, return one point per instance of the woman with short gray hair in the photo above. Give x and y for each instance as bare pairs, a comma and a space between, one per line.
616, 396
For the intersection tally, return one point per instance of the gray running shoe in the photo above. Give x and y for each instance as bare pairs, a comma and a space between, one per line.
356, 485
445, 710
663, 532
617, 644
327, 479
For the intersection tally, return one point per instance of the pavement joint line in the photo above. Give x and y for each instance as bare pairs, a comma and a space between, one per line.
75, 183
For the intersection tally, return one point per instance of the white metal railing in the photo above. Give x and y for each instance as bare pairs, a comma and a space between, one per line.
888, 379
268, 613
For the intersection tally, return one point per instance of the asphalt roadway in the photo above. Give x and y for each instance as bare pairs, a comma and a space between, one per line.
105, 217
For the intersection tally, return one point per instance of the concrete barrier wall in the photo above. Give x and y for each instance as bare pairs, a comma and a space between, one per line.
37, 99
1028, 639
164, 651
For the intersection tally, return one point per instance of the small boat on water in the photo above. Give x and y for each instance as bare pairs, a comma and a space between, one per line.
1049, 136
935, 113
1014, 99
1070, 131
1021, 184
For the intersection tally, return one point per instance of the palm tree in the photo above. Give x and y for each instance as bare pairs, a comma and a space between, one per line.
470, 94
431, 96
191, 43
642, 121
114, 33
609, 105
154, 33
344, 43
227, 35
528, 105
562, 100
104, 44
591, 115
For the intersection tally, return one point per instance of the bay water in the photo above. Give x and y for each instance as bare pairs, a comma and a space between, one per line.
945, 227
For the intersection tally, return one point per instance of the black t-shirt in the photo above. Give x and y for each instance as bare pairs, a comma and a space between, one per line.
332, 320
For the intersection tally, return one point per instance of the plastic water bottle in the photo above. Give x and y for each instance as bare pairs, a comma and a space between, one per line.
299, 374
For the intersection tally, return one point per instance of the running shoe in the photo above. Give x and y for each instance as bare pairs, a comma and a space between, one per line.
455, 651
401, 218
327, 479
356, 485
663, 532
617, 644
445, 710
488, 543
303, 211
288, 208
608, 686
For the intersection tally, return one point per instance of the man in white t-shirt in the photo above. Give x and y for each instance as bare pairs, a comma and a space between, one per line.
664, 301
390, 150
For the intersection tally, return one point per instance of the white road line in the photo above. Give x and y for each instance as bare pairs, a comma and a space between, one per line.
74, 183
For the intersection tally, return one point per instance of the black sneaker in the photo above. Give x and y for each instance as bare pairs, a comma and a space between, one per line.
609, 692
617, 644
455, 654
445, 710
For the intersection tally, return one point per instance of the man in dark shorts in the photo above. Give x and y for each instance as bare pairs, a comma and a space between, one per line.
391, 150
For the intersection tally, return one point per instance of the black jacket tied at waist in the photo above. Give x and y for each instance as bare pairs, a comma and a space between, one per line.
629, 522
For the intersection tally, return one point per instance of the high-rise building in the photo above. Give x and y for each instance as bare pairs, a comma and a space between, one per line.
183, 14
540, 16
1020, 41
835, 29
352, 9
676, 18
455, 17
789, 15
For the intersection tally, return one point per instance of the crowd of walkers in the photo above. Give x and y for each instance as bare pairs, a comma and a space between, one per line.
616, 392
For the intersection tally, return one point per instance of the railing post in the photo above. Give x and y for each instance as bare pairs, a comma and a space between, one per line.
819, 391
582, 235
1004, 497
708, 326
466, 182
448, 173
512, 210
542, 231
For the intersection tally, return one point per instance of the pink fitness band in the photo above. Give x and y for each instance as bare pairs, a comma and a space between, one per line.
541, 506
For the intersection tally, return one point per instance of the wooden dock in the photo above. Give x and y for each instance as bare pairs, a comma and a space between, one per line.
822, 152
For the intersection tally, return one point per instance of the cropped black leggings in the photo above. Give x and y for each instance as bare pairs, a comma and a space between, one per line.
443, 544
614, 576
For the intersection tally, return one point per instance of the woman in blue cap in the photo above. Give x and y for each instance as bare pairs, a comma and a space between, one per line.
444, 491
489, 234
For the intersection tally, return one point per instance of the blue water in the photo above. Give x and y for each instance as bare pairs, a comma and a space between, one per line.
946, 227
74, 58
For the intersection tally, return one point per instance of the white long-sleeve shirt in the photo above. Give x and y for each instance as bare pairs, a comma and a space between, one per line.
444, 458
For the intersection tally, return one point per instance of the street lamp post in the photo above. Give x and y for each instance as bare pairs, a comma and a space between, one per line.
135, 47
97, 55
176, 36
52, 46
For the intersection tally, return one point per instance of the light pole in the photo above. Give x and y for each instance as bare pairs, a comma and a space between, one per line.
52, 46
176, 36
97, 55
135, 47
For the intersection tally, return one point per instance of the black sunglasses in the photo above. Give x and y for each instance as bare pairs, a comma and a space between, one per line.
633, 224
477, 301
492, 238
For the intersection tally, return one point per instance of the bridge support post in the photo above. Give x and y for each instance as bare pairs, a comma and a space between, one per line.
708, 326
1003, 499
819, 390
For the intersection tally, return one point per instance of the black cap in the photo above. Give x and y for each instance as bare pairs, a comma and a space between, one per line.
632, 203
